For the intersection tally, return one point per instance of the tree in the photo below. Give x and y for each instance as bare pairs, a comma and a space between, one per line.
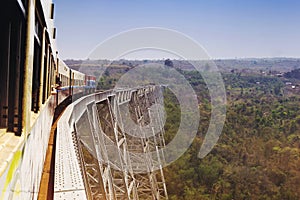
169, 63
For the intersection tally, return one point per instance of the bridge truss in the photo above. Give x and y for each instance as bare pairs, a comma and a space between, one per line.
110, 146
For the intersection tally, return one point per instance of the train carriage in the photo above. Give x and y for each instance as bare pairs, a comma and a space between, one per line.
90, 83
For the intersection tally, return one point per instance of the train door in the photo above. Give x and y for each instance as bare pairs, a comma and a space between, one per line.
12, 60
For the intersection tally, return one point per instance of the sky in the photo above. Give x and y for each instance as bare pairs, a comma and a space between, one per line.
224, 28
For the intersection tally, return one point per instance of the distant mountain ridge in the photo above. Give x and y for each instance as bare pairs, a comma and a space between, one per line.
280, 65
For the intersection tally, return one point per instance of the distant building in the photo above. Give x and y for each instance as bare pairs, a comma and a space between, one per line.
279, 75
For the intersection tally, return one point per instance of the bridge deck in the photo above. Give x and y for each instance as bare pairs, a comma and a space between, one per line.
68, 182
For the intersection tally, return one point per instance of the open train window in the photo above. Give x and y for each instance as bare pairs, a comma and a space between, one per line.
36, 76
24, 3
49, 72
37, 58
46, 71
52, 11
38, 39
12, 60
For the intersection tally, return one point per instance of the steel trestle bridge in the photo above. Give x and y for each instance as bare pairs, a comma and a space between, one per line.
100, 155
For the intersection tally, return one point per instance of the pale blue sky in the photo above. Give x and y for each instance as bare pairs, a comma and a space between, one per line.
225, 28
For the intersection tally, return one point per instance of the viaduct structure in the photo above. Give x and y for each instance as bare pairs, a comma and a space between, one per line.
99, 157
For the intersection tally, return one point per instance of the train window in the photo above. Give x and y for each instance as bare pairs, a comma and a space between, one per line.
38, 28
36, 77
65, 81
24, 3
12, 60
45, 78
53, 69
54, 33
52, 11
48, 72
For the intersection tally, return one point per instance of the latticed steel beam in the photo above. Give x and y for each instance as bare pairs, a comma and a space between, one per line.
119, 162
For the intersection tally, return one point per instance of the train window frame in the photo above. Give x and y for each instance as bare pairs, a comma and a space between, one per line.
38, 56
13, 57
46, 69
23, 5
52, 11
38, 28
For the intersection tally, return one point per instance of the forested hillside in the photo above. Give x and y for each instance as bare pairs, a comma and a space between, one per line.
258, 154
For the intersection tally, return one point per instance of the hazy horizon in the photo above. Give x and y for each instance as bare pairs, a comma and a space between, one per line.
227, 30
162, 59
